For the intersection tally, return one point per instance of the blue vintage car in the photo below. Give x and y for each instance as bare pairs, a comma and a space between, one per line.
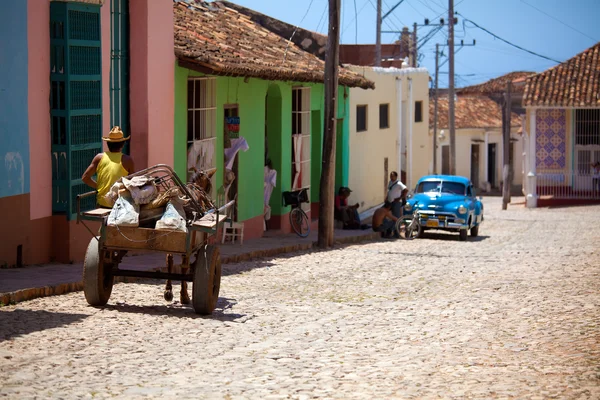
446, 202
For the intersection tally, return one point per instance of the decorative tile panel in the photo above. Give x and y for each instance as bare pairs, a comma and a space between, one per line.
551, 138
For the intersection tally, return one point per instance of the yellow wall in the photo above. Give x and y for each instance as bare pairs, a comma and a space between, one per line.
369, 149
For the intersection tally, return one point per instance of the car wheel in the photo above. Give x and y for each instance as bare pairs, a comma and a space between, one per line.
475, 231
462, 234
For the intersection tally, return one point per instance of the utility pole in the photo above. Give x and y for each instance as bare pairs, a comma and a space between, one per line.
378, 40
327, 189
414, 45
451, 87
435, 109
506, 172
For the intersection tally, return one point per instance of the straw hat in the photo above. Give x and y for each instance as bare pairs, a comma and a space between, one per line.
115, 135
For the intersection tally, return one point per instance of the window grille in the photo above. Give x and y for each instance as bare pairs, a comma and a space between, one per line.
201, 124
301, 146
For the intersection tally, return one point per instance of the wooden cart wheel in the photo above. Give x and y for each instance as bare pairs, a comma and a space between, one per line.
97, 278
207, 280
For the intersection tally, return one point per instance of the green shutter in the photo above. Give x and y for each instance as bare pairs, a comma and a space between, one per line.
76, 100
119, 67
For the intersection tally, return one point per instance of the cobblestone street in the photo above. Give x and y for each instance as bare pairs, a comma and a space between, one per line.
514, 313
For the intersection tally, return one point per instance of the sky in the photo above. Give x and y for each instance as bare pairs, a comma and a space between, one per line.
556, 29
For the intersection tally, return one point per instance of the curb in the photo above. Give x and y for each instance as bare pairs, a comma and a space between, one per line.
19, 296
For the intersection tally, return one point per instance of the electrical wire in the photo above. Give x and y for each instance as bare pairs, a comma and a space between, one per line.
506, 41
359, 11
558, 20
318, 29
294, 33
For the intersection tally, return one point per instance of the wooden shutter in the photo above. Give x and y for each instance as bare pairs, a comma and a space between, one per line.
76, 100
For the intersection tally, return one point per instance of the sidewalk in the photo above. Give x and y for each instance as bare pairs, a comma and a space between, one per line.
21, 284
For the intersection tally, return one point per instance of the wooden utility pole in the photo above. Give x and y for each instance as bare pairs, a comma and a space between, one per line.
327, 189
506, 172
414, 45
435, 108
378, 38
451, 87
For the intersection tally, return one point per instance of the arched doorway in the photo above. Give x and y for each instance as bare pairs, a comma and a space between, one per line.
273, 150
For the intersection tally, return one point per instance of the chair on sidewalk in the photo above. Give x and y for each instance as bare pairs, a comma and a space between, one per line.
233, 229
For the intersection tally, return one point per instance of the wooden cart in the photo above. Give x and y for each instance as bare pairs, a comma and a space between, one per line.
201, 261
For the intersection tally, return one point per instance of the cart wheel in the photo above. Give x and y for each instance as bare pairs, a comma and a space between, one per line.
97, 277
207, 280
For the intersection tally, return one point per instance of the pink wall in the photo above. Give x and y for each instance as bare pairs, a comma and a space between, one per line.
38, 47
161, 83
138, 81
152, 82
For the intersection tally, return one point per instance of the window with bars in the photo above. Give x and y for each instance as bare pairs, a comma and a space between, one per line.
587, 127
201, 124
301, 139
384, 116
361, 118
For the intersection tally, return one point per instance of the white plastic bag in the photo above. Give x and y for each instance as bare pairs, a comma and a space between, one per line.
173, 218
124, 213
142, 189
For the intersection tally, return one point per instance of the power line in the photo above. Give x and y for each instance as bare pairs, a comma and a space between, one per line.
294, 33
322, 18
359, 11
558, 20
506, 41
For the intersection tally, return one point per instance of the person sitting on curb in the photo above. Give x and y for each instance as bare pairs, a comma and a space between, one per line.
345, 213
385, 222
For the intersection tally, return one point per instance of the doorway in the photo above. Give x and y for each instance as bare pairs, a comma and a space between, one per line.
491, 167
231, 131
446, 160
475, 165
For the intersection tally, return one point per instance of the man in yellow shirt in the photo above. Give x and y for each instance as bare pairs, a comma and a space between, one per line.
109, 166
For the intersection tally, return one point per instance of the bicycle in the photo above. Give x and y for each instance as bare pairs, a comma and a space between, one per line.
412, 225
298, 218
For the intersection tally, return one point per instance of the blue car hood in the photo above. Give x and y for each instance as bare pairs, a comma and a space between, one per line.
440, 200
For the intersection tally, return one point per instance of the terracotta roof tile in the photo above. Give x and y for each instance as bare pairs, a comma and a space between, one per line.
219, 40
574, 83
470, 112
498, 85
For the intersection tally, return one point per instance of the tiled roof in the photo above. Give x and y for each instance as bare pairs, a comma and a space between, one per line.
216, 39
470, 111
498, 85
574, 83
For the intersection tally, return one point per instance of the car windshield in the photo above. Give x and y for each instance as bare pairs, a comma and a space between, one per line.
446, 187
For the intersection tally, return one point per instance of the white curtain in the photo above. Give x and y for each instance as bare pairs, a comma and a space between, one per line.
297, 143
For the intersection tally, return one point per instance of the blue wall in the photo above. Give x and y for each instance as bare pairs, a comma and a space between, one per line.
14, 124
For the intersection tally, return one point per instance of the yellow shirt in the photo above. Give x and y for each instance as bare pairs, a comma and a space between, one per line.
109, 171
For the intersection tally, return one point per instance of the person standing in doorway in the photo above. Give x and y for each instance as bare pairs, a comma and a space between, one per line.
396, 194
109, 166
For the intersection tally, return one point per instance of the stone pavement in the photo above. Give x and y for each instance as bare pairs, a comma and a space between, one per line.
20, 284
511, 314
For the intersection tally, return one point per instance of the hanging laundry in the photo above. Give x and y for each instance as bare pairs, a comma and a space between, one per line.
230, 152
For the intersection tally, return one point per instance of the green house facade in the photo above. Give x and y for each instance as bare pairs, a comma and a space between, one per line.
266, 121
239, 82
